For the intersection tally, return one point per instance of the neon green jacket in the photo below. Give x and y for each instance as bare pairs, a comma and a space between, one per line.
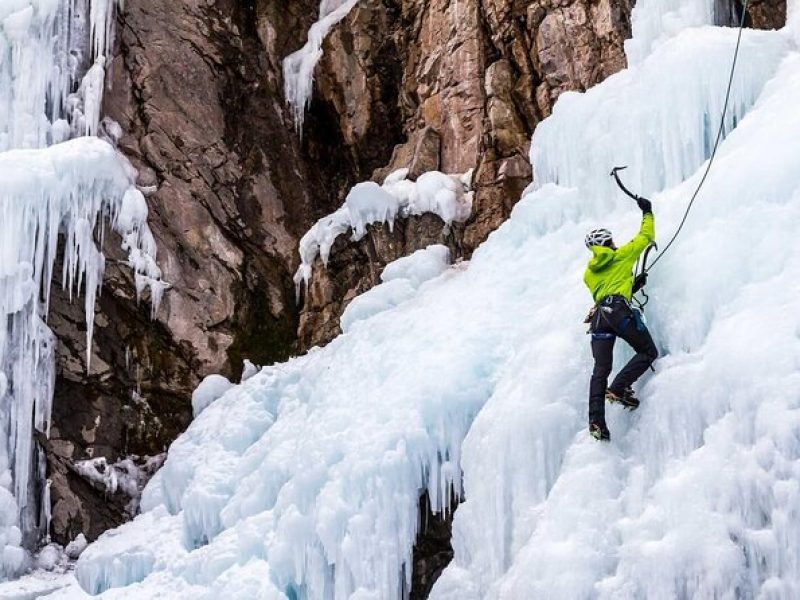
611, 271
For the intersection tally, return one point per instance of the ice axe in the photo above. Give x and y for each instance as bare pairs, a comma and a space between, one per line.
615, 174
640, 279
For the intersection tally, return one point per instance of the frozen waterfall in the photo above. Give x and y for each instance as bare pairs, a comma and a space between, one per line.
303, 481
54, 192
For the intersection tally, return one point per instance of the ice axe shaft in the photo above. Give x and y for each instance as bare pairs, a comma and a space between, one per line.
615, 174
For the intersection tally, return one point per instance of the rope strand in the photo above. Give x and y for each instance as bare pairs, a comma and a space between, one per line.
720, 131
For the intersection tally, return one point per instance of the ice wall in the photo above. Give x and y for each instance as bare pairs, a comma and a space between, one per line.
696, 495
52, 193
46, 49
298, 67
653, 22
662, 126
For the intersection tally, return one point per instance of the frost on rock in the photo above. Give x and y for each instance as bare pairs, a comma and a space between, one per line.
400, 281
303, 482
298, 68
447, 196
127, 476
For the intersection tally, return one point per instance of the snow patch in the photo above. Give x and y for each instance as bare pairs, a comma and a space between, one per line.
400, 281
448, 196
209, 390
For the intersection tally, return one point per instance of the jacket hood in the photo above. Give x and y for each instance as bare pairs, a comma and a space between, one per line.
602, 256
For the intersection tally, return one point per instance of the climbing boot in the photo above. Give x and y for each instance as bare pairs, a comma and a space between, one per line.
627, 398
599, 431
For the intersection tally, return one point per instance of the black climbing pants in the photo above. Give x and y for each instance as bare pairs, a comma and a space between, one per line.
615, 318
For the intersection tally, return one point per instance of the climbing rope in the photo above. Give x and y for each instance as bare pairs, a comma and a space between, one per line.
720, 132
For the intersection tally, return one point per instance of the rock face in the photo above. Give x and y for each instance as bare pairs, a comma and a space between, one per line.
766, 14
196, 88
460, 85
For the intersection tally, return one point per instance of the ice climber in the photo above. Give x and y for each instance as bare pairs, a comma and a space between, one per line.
609, 277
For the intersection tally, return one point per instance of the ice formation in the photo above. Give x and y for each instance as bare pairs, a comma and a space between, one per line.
70, 190
400, 281
303, 481
447, 196
46, 46
209, 390
298, 67
127, 476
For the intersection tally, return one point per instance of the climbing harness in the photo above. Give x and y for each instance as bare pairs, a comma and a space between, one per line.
615, 172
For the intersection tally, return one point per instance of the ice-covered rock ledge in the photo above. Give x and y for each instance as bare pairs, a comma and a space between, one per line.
448, 196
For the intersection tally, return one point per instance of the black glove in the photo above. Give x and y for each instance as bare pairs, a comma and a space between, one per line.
639, 282
645, 205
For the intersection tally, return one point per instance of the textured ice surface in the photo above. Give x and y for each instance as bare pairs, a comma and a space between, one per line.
209, 390
52, 71
400, 281
70, 189
46, 49
662, 127
303, 481
447, 196
653, 22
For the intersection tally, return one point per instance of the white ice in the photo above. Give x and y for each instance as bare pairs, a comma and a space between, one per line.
298, 67
448, 196
653, 22
303, 481
209, 390
400, 281
69, 189
45, 48
52, 192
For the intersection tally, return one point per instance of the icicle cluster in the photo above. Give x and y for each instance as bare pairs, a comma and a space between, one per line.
52, 190
48, 47
298, 68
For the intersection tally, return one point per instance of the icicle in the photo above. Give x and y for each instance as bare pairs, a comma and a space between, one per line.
298, 68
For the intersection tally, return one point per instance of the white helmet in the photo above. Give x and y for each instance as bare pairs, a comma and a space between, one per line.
598, 237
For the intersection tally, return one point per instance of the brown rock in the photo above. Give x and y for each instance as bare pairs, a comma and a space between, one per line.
480, 74
197, 91
766, 14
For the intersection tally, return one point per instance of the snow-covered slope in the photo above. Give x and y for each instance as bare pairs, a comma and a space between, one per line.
303, 481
